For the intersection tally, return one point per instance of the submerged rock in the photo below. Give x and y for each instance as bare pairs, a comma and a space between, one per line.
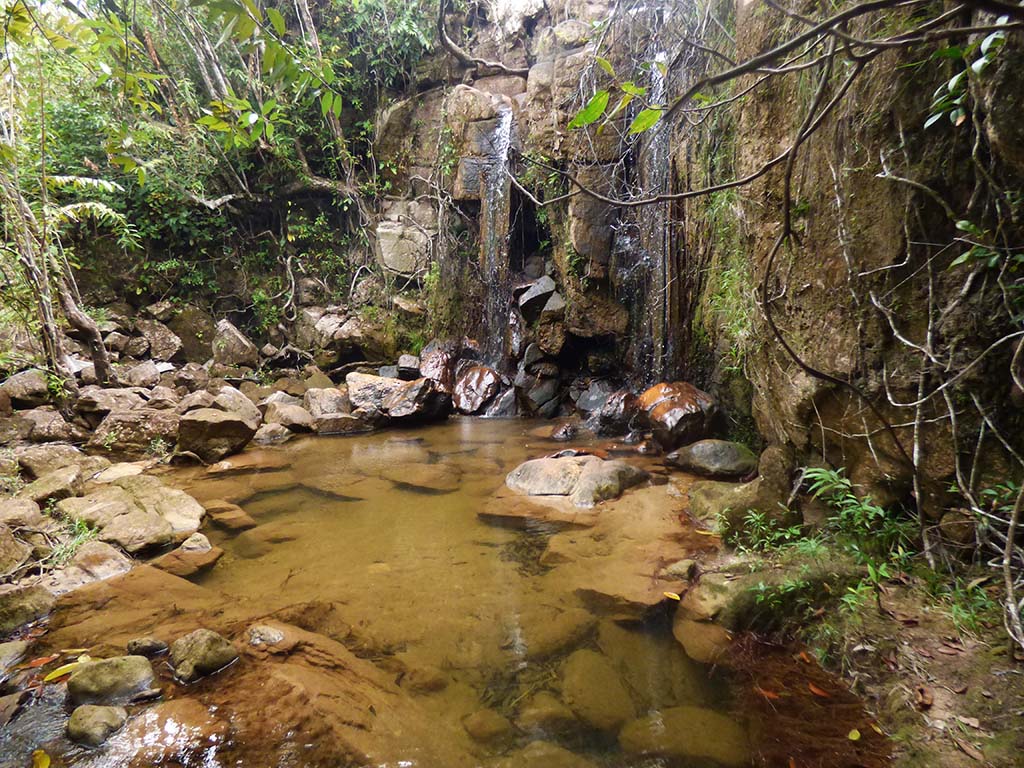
679, 413
487, 726
146, 646
91, 724
688, 733
595, 692
714, 458
587, 480
110, 681
544, 754
200, 653
194, 556
544, 712
604, 480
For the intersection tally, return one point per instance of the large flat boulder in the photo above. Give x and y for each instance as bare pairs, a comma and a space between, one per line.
136, 432
211, 434
715, 458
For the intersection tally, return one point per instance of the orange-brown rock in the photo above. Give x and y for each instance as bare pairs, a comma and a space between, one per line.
678, 413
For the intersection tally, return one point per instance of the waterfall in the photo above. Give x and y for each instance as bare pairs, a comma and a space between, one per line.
494, 218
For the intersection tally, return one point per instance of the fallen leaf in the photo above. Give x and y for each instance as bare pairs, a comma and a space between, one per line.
671, 595
73, 651
42, 661
925, 652
765, 693
805, 657
973, 722
923, 697
40, 759
959, 689
876, 729
704, 532
987, 694
819, 692
853, 735
949, 651
969, 749
66, 669
792, 763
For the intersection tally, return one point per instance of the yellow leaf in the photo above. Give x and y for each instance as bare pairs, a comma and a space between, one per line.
876, 729
66, 669
40, 759
853, 735
671, 595
704, 532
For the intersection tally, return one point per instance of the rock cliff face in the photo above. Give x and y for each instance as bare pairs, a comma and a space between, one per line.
670, 290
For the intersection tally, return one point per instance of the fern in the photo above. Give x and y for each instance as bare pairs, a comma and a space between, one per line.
83, 182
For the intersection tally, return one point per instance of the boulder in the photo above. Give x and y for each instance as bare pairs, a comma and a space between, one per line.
424, 478
437, 363
272, 434
142, 375
475, 389
595, 396
192, 377
17, 513
47, 425
136, 433
164, 343
403, 248
487, 726
545, 713
341, 424
182, 512
293, 417
11, 653
688, 733
136, 347
419, 400
320, 401
232, 348
94, 561
408, 367
544, 754
20, 604
38, 460
27, 389
146, 646
595, 692
58, 484
163, 398
603, 480
119, 520
200, 653
110, 681
714, 458
369, 392
228, 516
211, 434
92, 724
678, 413
548, 477
534, 298
95, 402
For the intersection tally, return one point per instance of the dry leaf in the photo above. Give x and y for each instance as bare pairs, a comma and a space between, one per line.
819, 692
805, 657
876, 729
671, 595
973, 722
42, 661
792, 762
765, 693
959, 689
853, 735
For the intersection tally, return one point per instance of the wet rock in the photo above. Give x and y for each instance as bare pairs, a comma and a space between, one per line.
232, 348
92, 725
11, 654
408, 367
195, 555
475, 388
200, 653
565, 433
595, 692
370, 392
211, 434
20, 512
615, 416
436, 363
687, 733
603, 480
265, 636
110, 681
164, 343
294, 417
272, 434
27, 389
13, 552
146, 646
136, 433
488, 727
321, 401
544, 754
548, 477
548, 631
174, 733
678, 413
56, 485
714, 502
595, 396
504, 406
544, 712
681, 570
533, 299
714, 458
544, 396
419, 400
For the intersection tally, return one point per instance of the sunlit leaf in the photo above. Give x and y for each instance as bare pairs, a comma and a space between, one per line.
645, 120
821, 693
590, 113
853, 735
605, 65
277, 20
40, 759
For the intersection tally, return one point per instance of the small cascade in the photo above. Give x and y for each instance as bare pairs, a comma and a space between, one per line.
494, 229
643, 253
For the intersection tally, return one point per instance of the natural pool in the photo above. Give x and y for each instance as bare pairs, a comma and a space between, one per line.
387, 623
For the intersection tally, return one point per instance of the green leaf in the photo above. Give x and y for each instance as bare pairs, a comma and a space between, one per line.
326, 101
979, 66
933, 120
277, 20
336, 107
606, 66
645, 120
590, 113
632, 88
